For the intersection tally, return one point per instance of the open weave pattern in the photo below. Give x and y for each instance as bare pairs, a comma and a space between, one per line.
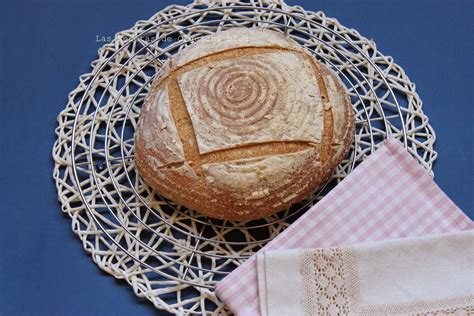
117, 216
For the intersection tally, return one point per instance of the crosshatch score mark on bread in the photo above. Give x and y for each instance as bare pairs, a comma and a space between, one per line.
240, 129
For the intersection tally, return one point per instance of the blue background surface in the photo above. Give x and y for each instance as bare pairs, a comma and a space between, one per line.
46, 45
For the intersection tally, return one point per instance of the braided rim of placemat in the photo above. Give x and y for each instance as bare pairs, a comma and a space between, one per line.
171, 256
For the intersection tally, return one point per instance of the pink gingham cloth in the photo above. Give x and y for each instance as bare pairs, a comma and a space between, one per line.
389, 195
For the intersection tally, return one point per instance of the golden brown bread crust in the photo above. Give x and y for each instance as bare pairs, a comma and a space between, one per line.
239, 129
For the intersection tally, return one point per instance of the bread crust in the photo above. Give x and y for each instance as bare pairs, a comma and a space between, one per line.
240, 129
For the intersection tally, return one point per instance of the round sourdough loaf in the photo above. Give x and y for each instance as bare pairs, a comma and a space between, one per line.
241, 124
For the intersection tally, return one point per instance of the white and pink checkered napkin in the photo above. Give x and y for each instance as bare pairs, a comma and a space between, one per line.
389, 195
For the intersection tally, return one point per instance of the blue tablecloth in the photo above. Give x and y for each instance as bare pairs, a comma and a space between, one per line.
46, 45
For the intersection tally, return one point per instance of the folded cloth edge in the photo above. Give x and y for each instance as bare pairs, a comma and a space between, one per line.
285, 270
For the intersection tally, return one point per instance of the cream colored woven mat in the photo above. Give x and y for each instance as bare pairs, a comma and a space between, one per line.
168, 255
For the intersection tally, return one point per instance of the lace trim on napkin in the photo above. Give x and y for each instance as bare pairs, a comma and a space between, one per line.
331, 287
451, 306
325, 282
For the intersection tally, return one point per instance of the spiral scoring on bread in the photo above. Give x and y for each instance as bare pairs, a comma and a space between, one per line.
253, 99
239, 95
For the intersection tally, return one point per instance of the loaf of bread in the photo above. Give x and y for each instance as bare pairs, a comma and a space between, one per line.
241, 124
